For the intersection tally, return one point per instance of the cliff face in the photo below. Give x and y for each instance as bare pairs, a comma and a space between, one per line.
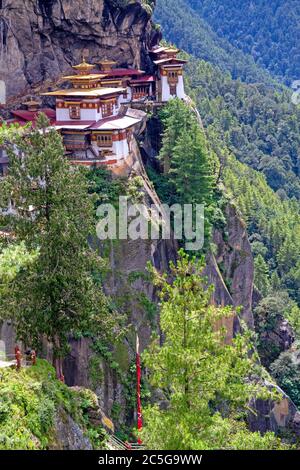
41, 39
231, 269
128, 286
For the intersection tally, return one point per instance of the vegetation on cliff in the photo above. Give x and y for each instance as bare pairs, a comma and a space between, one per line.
31, 401
202, 372
274, 230
57, 295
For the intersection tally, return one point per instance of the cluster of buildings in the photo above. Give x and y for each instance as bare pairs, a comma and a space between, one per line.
95, 110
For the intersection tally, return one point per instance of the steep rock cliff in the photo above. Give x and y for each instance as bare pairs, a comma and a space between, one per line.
128, 286
231, 268
41, 39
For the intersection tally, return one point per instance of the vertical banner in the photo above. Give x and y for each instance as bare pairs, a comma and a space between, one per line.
138, 388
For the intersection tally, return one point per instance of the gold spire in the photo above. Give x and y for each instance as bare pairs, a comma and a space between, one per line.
84, 68
32, 104
106, 64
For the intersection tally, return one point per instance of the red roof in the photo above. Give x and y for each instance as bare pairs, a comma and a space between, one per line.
31, 116
122, 72
145, 78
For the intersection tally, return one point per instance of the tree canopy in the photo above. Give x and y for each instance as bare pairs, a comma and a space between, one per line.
52, 215
202, 371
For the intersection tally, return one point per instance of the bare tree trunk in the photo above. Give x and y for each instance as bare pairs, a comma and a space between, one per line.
57, 360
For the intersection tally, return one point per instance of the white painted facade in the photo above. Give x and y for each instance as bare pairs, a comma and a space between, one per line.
119, 149
86, 114
166, 95
63, 115
2, 92
121, 98
180, 88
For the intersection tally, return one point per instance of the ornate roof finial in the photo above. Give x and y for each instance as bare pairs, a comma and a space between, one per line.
84, 68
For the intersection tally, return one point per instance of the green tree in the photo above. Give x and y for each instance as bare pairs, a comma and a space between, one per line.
175, 117
261, 278
286, 371
200, 370
13, 259
187, 161
191, 170
57, 295
189, 174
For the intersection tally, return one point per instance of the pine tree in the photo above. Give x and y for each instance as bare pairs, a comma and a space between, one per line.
261, 278
57, 295
199, 369
188, 164
191, 171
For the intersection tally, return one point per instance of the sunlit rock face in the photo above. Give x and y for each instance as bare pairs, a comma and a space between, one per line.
41, 39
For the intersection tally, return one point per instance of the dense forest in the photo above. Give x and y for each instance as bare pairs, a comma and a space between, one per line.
183, 26
246, 38
259, 125
253, 128
268, 31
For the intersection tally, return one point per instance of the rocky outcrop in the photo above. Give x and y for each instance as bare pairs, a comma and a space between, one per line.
67, 435
42, 39
128, 286
275, 334
279, 417
231, 268
8, 338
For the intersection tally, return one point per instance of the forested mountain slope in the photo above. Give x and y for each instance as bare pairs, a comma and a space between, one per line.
268, 30
259, 125
183, 26
256, 123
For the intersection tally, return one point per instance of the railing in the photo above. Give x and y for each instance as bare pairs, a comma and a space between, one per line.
115, 443
138, 96
76, 146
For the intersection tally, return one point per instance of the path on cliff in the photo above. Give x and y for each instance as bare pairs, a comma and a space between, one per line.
5, 364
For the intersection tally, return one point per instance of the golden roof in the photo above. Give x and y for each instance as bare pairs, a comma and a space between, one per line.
31, 103
165, 50
106, 61
171, 50
91, 76
83, 67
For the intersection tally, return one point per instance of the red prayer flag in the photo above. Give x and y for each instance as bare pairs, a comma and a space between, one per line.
138, 387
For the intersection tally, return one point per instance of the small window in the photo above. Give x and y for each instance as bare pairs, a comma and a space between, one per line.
104, 140
107, 109
74, 112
